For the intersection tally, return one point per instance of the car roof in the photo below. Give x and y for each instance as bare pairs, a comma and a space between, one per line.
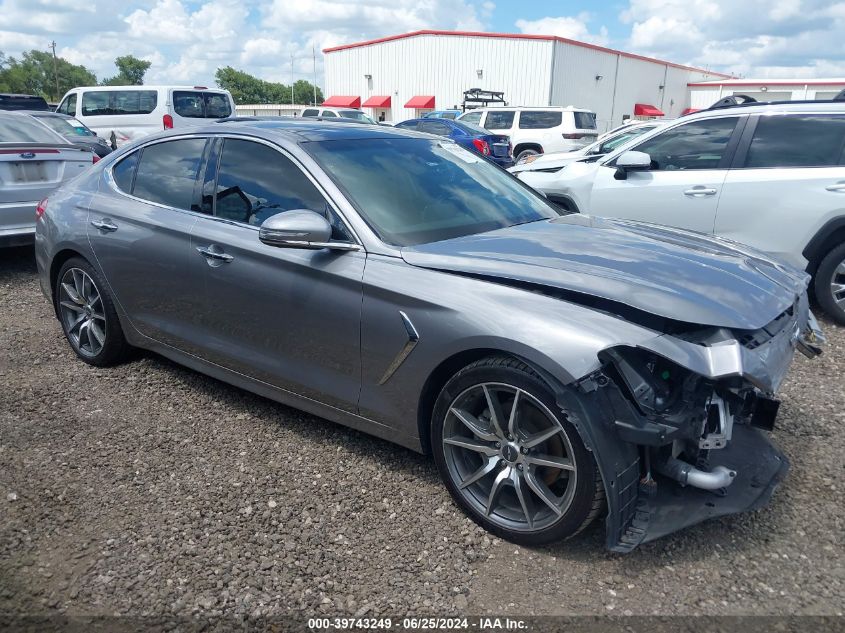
568, 108
149, 87
59, 115
303, 130
837, 107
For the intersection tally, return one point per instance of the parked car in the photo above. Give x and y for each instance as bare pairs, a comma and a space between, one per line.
345, 113
33, 161
72, 129
594, 151
123, 113
405, 286
538, 130
442, 114
772, 176
22, 102
493, 146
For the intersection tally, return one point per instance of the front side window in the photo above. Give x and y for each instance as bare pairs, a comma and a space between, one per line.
696, 145
255, 181
193, 104
414, 191
68, 106
118, 102
499, 120
539, 119
472, 117
167, 172
797, 141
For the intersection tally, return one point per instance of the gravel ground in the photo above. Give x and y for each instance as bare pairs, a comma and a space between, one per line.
151, 489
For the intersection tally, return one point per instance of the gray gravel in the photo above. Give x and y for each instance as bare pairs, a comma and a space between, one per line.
151, 489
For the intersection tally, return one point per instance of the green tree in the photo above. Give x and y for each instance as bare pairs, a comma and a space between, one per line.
130, 71
34, 74
246, 88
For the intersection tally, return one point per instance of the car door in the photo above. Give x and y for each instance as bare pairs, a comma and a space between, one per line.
285, 316
139, 229
788, 181
688, 167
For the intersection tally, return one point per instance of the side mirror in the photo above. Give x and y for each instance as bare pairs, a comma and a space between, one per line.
631, 161
300, 228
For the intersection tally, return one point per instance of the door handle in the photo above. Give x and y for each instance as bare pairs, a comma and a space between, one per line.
699, 192
838, 187
106, 226
209, 254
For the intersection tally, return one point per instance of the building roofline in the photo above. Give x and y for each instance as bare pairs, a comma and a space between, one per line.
766, 82
523, 36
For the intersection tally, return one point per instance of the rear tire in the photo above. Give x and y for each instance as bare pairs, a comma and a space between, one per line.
87, 314
520, 472
829, 284
526, 152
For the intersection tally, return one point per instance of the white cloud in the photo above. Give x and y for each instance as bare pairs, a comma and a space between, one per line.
571, 27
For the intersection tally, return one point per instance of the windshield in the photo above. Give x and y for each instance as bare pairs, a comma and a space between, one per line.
355, 114
415, 191
69, 128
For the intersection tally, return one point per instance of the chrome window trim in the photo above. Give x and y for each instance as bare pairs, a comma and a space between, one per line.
207, 136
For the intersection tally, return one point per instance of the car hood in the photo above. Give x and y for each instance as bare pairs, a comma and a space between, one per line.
675, 274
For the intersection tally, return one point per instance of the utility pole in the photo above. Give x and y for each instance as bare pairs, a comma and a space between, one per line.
314, 56
291, 80
55, 69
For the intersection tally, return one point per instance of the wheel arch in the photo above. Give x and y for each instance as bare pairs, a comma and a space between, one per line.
56, 264
527, 145
829, 236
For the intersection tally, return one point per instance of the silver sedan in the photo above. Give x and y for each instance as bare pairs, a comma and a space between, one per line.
558, 368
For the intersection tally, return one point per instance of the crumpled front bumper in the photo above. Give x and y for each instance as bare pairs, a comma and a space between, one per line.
668, 508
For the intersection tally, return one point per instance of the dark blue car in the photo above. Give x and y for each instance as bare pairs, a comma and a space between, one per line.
475, 138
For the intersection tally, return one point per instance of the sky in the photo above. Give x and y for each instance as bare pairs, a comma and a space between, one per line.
187, 40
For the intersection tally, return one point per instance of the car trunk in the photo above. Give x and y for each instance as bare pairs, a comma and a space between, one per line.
500, 146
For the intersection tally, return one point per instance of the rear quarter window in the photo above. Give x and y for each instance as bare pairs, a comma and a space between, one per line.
124, 172
539, 119
585, 120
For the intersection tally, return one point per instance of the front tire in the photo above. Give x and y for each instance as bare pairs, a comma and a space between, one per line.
510, 457
87, 314
829, 284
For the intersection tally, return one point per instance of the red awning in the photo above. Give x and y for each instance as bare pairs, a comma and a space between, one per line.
377, 102
339, 101
644, 109
421, 102
689, 111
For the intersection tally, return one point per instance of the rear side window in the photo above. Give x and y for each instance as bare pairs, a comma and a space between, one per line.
310, 112
167, 172
499, 120
472, 117
124, 172
539, 119
201, 105
434, 127
585, 120
119, 102
698, 145
797, 141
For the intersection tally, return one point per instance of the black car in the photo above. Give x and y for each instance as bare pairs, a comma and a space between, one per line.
23, 102
73, 130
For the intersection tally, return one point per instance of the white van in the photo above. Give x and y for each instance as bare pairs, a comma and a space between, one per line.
538, 130
123, 113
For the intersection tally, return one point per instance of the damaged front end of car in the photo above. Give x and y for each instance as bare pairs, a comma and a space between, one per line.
678, 423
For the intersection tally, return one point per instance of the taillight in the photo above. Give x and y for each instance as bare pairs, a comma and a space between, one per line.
481, 146
95, 159
40, 209
167, 120
574, 136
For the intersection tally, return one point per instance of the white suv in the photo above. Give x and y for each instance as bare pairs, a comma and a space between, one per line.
769, 175
343, 113
538, 130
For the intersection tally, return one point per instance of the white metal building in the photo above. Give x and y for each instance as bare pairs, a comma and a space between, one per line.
405, 75
705, 93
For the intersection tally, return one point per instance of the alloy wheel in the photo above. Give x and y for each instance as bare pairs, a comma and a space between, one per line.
837, 285
509, 457
82, 313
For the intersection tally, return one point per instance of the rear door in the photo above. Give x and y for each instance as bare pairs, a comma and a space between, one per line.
195, 107
787, 181
689, 165
33, 162
140, 222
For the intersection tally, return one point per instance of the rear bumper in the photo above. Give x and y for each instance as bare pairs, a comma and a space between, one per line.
17, 223
504, 162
